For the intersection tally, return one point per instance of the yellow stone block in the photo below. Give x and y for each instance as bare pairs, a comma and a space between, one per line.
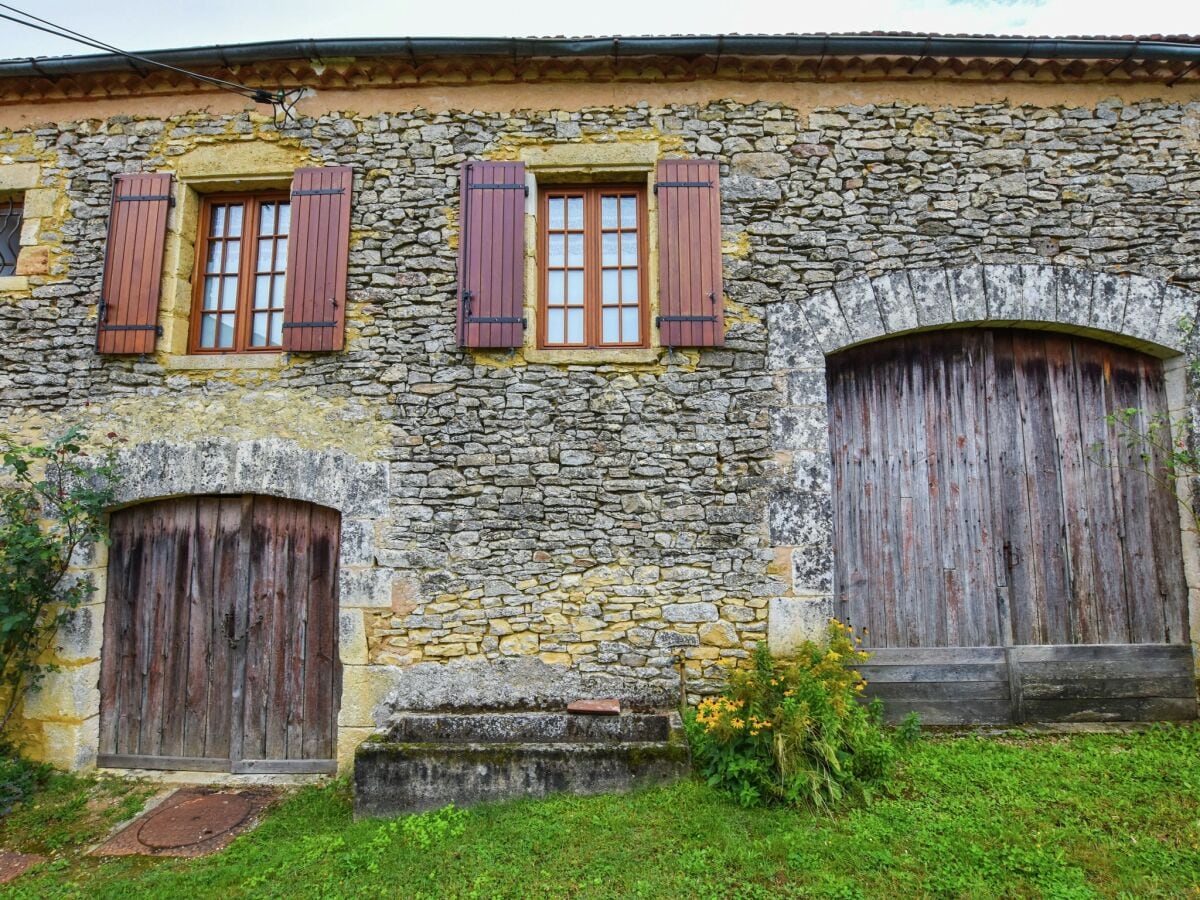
19, 176
70, 694
719, 634
524, 643
38, 203
555, 659
71, 745
363, 689
348, 740
352, 637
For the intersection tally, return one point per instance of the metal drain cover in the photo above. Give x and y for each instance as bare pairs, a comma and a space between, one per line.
193, 821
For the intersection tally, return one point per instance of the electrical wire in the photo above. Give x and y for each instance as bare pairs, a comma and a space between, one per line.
258, 95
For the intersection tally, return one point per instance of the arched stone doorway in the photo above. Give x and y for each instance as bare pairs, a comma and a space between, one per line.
979, 644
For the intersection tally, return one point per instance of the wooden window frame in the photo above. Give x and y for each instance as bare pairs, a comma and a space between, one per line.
593, 268
246, 274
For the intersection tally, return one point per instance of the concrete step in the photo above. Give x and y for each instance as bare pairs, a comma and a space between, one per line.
427, 760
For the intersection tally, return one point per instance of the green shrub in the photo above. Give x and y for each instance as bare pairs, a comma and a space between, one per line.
796, 730
19, 779
52, 501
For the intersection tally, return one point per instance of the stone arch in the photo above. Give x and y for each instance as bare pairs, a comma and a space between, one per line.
156, 469
1145, 313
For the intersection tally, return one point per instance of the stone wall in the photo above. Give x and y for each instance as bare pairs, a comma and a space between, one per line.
605, 519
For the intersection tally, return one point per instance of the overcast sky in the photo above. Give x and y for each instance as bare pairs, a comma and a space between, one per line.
146, 25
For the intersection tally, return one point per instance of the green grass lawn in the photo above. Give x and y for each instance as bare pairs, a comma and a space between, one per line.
1089, 815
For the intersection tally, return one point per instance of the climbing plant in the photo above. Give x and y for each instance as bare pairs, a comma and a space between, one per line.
1160, 450
52, 501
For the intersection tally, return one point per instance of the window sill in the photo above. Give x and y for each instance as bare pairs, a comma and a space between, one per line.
210, 362
12, 284
582, 356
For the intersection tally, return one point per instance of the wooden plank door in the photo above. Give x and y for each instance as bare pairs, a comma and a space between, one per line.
292, 674
220, 641
166, 670
915, 561
981, 498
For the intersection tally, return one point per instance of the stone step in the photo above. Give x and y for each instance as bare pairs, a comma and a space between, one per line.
427, 760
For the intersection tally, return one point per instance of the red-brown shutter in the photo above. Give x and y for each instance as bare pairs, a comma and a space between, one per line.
133, 264
491, 255
689, 254
318, 256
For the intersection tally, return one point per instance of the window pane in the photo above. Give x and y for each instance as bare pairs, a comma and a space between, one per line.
218, 221
611, 326
554, 287
235, 221
214, 256
285, 218
629, 249
232, 250
608, 286
574, 212
263, 263
629, 325
281, 255
609, 250
276, 329
266, 218
208, 330
575, 287
277, 292
229, 292
608, 212
262, 291
629, 212
212, 287
555, 205
575, 250
225, 334
554, 253
629, 286
554, 326
575, 326
258, 334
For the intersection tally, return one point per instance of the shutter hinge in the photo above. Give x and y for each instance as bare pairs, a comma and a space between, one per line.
469, 319
170, 198
660, 319
496, 320
309, 324
675, 184
157, 329
482, 185
315, 191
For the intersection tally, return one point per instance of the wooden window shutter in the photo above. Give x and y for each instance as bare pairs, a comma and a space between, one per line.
133, 264
491, 255
318, 257
689, 254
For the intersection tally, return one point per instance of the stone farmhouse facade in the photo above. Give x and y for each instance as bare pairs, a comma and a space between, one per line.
542, 400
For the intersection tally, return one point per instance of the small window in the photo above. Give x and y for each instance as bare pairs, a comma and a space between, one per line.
592, 283
241, 261
10, 235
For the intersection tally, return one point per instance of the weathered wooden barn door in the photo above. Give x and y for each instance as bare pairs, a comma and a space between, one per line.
982, 500
220, 648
